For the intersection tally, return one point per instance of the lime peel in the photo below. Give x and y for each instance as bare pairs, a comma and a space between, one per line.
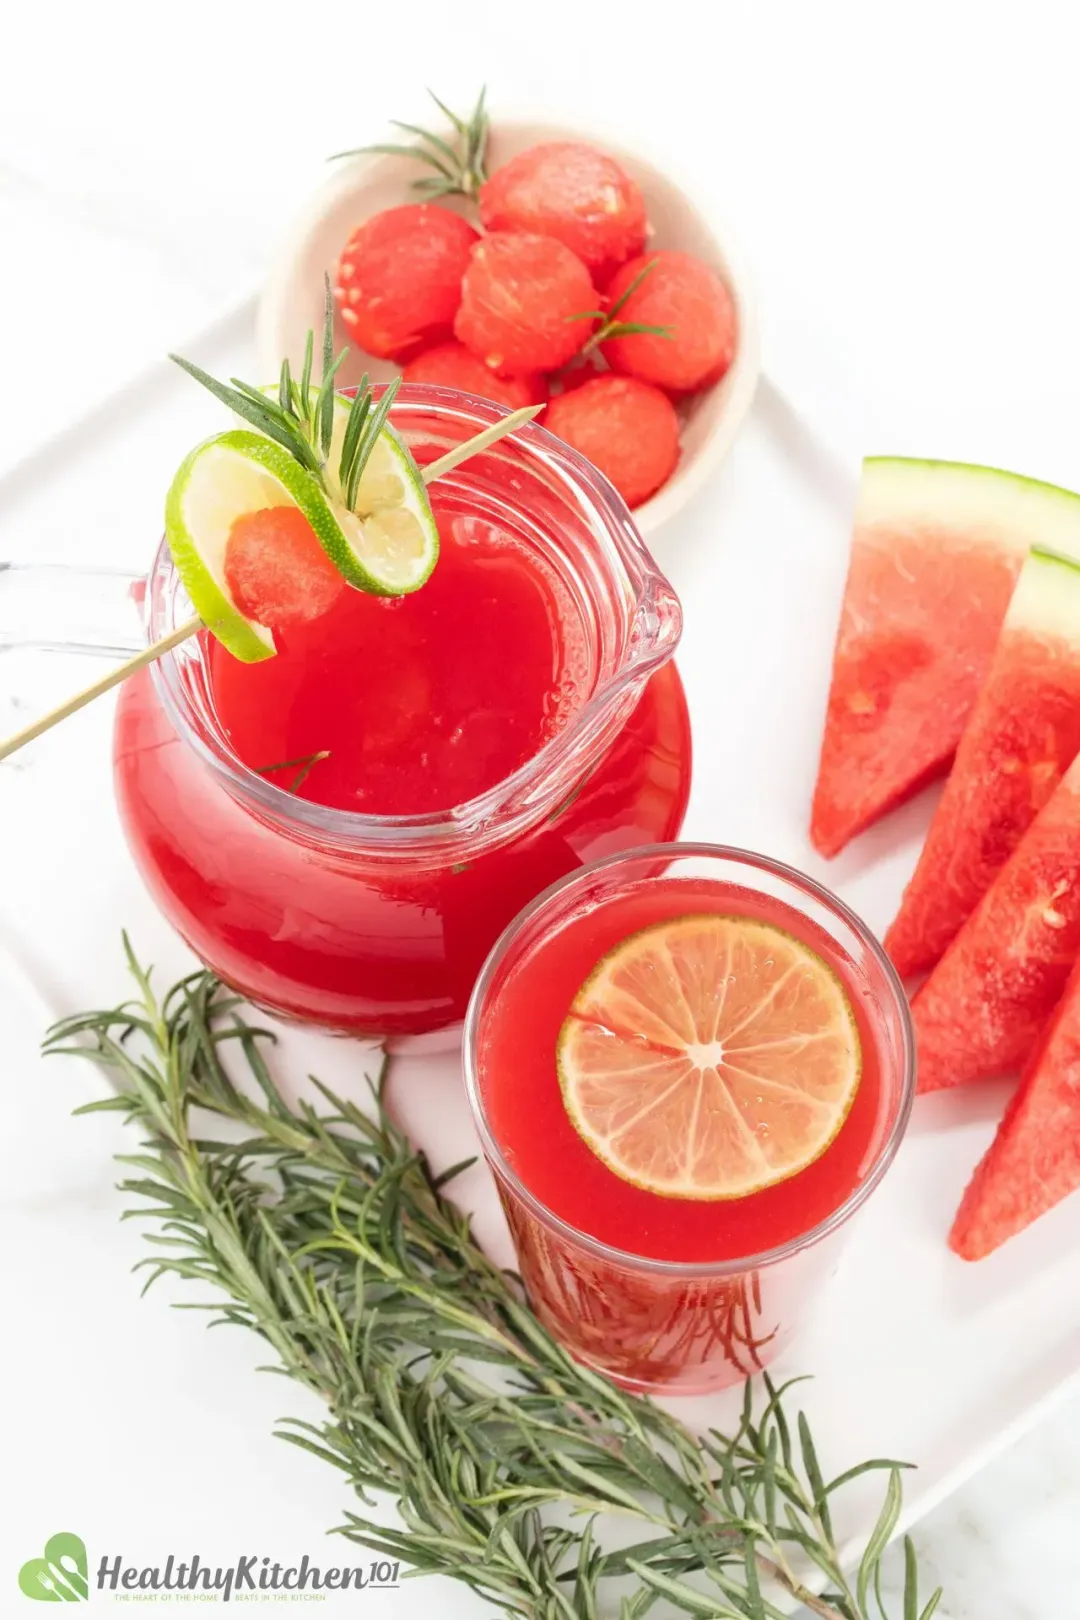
709, 1057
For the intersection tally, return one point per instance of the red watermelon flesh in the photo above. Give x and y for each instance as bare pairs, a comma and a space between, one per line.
1034, 1160
1023, 734
936, 550
986, 1003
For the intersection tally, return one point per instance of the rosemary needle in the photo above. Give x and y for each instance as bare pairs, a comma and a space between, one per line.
323, 1230
306, 763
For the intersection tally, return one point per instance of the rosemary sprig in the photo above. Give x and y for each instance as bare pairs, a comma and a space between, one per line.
306, 762
300, 426
609, 326
458, 167
324, 1231
303, 425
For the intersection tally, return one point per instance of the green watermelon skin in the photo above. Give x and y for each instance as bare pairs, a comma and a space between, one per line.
986, 1003
1023, 734
1034, 1160
936, 550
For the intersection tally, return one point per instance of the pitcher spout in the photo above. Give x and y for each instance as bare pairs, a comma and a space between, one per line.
658, 627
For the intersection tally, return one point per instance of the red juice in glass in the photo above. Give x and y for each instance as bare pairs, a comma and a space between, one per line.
457, 750
688, 1288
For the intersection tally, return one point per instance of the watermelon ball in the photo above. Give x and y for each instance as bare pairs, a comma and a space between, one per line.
625, 427
276, 571
399, 278
518, 300
452, 365
574, 193
686, 296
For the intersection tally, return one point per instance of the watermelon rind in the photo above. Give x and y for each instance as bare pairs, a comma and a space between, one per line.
936, 552
996, 506
1046, 600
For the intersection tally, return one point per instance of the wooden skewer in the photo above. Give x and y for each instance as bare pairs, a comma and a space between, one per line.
480, 441
461, 452
89, 693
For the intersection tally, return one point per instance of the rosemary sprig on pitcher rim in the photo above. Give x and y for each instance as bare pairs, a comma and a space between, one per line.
301, 418
323, 1230
303, 427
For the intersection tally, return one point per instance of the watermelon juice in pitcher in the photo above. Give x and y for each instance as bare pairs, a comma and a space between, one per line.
341, 831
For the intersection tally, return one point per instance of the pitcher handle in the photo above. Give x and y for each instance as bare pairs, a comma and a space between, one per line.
56, 608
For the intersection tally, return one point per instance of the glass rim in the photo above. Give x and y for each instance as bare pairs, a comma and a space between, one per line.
690, 1270
654, 605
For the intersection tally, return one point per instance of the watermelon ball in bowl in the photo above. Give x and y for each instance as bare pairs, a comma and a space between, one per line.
523, 163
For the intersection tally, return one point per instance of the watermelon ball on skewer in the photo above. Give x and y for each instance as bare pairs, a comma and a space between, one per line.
520, 300
452, 365
261, 543
276, 570
572, 192
626, 428
685, 297
399, 276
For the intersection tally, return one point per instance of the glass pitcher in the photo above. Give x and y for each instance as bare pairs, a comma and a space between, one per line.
378, 925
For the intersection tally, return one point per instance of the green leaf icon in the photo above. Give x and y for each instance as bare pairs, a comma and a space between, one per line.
61, 1575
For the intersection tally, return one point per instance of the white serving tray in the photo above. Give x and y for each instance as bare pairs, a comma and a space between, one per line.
914, 1354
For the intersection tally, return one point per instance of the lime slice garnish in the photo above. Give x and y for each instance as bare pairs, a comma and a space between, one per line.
388, 474
709, 1057
388, 546
216, 483
402, 548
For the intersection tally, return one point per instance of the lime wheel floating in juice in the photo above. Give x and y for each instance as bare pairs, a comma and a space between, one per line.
681, 1082
709, 1057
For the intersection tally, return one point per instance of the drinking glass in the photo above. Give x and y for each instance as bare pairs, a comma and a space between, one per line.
673, 1326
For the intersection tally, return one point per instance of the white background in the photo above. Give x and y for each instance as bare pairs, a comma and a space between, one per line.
903, 179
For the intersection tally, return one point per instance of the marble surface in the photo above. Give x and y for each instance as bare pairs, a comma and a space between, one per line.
917, 269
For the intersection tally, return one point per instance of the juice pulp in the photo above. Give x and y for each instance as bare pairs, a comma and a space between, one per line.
420, 702
646, 1327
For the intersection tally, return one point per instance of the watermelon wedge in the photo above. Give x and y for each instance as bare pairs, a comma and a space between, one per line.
1023, 734
1034, 1160
986, 1003
936, 551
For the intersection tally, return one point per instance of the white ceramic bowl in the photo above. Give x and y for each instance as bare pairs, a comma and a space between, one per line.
356, 188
